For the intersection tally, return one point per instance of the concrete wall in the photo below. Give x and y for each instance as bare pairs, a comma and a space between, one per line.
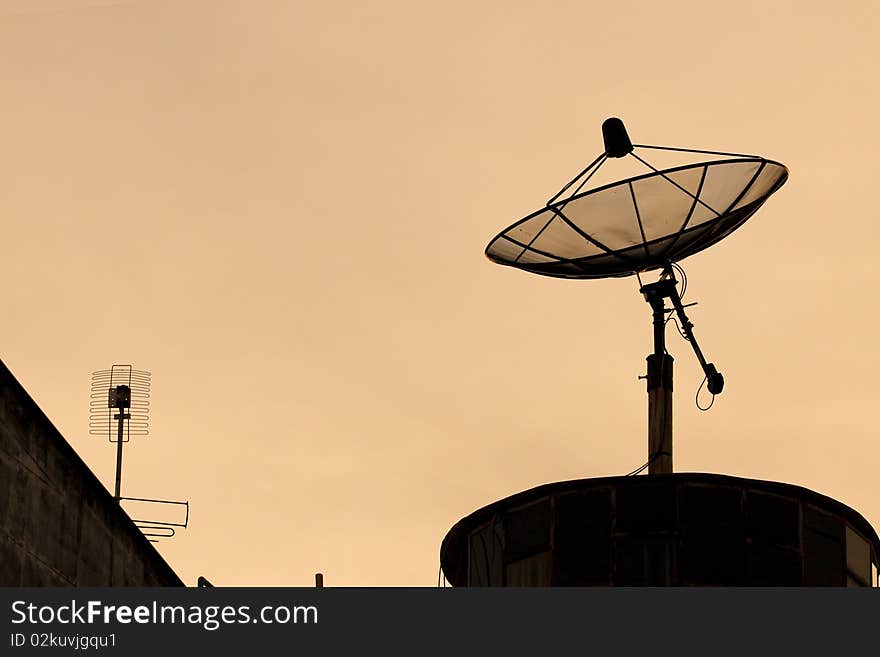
58, 525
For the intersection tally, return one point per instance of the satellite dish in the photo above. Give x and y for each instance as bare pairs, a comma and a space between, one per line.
638, 224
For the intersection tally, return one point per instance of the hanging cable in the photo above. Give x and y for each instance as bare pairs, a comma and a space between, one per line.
638, 470
684, 279
697, 397
650, 460
675, 321
684, 282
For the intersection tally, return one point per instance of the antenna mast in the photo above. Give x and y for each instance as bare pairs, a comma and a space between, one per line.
127, 405
120, 406
659, 377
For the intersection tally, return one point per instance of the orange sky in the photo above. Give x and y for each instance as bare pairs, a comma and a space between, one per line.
280, 209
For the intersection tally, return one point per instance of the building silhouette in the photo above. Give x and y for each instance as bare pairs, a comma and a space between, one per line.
59, 526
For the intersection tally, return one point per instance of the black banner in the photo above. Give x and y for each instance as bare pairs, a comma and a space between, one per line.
418, 621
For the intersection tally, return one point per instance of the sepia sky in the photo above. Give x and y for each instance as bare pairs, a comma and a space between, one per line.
279, 208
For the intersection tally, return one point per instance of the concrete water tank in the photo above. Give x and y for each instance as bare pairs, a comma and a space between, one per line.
682, 529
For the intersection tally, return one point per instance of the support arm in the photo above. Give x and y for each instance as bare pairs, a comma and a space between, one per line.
714, 379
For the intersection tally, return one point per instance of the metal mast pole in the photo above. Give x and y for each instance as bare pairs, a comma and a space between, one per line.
121, 417
659, 385
120, 398
660, 371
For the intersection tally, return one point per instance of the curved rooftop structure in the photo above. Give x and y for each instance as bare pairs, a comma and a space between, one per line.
682, 529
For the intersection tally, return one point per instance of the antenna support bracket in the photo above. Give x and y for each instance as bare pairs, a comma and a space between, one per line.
660, 365
655, 294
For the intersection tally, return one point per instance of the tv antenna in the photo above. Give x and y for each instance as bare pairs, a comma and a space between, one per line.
640, 224
120, 407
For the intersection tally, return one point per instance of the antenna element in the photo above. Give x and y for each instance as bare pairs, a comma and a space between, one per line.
120, 405
617, 142
127, 395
